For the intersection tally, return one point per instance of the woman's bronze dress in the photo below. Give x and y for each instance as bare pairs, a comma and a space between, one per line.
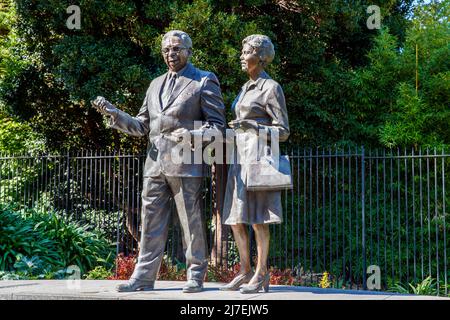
262, 101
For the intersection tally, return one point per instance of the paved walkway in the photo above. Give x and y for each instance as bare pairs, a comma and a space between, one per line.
171, 290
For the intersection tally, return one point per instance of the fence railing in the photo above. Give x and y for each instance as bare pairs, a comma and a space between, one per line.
349, 210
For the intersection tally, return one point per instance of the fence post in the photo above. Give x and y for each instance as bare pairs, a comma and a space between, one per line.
68, 183
363, 216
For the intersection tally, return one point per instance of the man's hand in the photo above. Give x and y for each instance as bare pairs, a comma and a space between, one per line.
180, 134
104, 106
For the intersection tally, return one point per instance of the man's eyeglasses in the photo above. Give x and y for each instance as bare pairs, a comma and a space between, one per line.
174, 49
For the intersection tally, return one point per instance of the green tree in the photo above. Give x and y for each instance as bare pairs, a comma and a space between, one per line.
109, 55
318, 44
116, 53
18, 137
390, 110
217, 41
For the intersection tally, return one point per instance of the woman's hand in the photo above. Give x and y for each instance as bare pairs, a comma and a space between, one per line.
232, 124
244, 124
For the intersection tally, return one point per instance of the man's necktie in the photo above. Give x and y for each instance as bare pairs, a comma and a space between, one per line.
169, 88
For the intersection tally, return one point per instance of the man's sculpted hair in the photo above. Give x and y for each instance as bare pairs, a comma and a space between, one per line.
187, 42
263, 46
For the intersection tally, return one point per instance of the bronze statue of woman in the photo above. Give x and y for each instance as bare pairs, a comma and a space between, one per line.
259, 108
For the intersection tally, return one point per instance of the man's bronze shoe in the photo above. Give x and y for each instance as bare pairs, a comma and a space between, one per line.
136, 285
193, 286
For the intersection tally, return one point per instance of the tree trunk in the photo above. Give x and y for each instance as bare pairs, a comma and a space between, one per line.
219, 248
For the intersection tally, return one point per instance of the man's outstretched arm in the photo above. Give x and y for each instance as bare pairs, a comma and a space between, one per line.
120, 120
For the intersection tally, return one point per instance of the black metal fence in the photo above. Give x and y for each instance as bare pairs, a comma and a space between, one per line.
348, 210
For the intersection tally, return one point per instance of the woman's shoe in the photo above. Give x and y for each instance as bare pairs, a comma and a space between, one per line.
237, 282
254, 288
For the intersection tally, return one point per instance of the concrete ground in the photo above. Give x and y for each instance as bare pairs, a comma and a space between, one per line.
171, 290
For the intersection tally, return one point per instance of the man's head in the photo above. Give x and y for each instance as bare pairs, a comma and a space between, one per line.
176, 49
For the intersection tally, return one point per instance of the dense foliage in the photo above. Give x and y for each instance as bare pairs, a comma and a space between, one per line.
39, 243
344, 84
391, 110
18, 137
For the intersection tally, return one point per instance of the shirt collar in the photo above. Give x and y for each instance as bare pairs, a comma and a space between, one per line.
259, 83
179, 72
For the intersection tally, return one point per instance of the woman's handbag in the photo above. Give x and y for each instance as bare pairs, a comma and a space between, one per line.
269, 173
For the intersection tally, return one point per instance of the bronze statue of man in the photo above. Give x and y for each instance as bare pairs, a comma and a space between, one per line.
173, 102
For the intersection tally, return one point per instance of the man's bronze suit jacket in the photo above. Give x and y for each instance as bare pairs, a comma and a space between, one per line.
195, 97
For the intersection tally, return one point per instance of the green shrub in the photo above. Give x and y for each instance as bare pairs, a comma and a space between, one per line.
33, 243
19, 236
18, 137
29, 266
99, 273
77, 244
427, 287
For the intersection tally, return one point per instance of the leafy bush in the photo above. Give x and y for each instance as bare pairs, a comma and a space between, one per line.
124, 267
33, 268
99, 273
18, 236
427, 287
33, 242
18, 137
4, 275
176, 272
172, 272
78, 245
29, 266
102, 221
220, 274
